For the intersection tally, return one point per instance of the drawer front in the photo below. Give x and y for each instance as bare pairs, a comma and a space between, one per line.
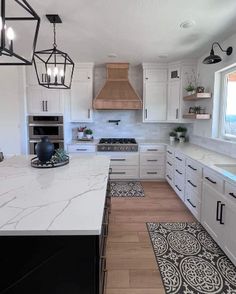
124, 172
180, 170
193, 183
170, 151
152, 160
192, 167
152, 173
192, 202
81, 148
152, 148
170, 175
179, 185
230, 191
124, 159
214, 180
179, 159
170, 161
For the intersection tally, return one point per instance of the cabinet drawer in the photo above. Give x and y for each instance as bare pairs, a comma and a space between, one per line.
214, 180
170, 161
81, 148
124, 159
193, 183
151, 159
152, 148
180, 170
230, 191
152, 173
170, 174
170, 152
124, 172
179, 185
179, 158
192, 167
192, 202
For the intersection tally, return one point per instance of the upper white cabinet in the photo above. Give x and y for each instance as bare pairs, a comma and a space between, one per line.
173, 100
154, 93
82, 93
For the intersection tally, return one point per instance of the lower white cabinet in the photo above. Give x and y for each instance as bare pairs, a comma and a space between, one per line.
81, 148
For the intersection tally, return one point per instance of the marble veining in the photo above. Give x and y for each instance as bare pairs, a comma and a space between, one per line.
62, 201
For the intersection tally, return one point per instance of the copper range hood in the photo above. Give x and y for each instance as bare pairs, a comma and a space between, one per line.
117, 93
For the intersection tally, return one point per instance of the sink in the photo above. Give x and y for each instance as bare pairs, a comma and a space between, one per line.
231, 168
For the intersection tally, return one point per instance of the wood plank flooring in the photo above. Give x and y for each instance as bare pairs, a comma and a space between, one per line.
131, 263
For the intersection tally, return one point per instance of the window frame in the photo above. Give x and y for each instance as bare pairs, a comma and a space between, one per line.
223, 105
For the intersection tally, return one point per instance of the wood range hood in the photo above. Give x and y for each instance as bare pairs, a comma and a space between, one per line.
117, 93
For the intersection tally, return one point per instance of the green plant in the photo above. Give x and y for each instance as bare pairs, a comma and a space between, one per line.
190, 88
88, 132
172, 134
180, 130
197, 109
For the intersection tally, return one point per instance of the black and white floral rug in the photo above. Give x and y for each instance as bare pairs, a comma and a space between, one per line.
126, 189
190, 261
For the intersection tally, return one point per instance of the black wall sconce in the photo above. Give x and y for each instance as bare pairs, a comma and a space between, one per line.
212, 58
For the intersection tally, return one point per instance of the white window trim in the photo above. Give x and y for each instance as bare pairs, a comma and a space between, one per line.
223, 100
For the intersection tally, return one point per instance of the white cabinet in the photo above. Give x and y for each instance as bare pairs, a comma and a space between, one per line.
154, 94
44, 101
173, 100
81, 148
82, 95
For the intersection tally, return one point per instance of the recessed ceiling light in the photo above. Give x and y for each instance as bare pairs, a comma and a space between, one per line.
187, 24
112, 55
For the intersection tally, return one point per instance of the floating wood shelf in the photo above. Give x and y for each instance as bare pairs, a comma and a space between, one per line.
197, 96
197, 116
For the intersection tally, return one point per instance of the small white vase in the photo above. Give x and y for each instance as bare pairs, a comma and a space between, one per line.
172, 139
80, 135
89, 137
181, 140
179, 134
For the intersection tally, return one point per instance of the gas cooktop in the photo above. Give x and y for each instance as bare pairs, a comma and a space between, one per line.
117, 145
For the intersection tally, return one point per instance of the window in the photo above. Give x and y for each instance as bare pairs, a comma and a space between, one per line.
228, 109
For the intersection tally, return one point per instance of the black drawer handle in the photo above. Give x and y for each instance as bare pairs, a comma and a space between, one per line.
194, 206
192, 167
169, 152
152, 160
232, 194
169, 177
80, 149
152, 149
179, 158
118, 159
217, 210
169, 163
192, 184
178, 188
210, 180
221, 214
178, 172
151, 173
118, 173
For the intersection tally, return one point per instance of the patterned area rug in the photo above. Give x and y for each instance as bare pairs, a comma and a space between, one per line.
190, 261
126, 189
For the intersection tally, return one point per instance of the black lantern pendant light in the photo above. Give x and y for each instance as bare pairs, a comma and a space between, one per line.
19, 26
213, 58
54, 68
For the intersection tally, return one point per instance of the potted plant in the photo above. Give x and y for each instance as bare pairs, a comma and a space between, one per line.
172, 136
180, 131
88, 133
182, 139
81, 132
190, 89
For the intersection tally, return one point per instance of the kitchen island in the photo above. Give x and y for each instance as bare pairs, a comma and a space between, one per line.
53, 224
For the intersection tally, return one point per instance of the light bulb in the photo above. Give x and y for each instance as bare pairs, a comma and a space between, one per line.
55, 71
62, 73
10, 34
49, 71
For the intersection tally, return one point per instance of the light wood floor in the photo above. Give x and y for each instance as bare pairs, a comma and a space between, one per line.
131, 263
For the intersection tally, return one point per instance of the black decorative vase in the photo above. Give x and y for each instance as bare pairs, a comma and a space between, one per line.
44, 149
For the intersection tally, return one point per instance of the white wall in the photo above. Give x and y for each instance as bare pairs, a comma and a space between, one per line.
12, 109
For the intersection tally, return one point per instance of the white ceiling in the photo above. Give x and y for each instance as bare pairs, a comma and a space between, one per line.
136, 30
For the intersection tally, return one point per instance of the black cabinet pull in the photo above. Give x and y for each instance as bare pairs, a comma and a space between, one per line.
145, 113
210, 180
178, 172
178, 188
194, 206
152, 160
217, 210
118, 173
169, 177
178, 158
221, 214
81, 149
169, 152
232, 194
192, 167
118, 159
192, 184
152, 149
151, 173
169, 163
46, 105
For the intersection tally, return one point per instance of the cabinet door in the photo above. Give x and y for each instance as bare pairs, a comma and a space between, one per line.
53, 101
82, 74
35, 101
173, 100
155, 102
230, 230
81, 102
156, 75
211, 202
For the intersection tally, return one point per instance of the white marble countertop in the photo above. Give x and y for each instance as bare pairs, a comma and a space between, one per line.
67, 200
